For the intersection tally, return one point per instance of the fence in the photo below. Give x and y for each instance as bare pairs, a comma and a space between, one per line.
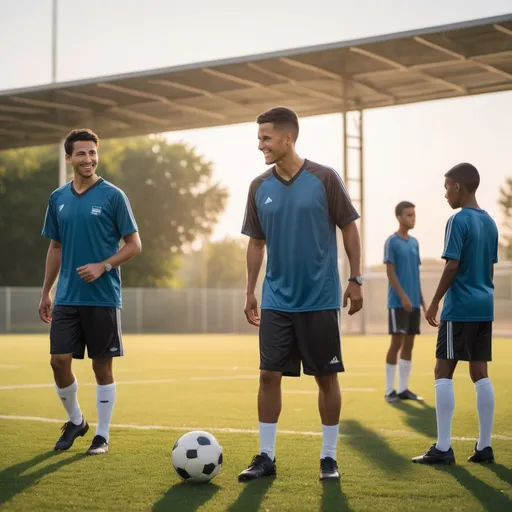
153, 310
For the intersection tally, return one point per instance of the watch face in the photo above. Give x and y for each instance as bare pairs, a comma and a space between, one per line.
359, 280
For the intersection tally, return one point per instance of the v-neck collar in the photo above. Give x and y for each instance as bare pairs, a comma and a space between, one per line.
82, 194
289, 182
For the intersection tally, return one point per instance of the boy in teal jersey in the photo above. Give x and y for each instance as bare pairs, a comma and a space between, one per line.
85, 221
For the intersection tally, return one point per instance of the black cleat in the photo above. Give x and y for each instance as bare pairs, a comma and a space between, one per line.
409, 395
329, 469
261, 465
485, 456
391, 397
435, 456
70, 432
98, 446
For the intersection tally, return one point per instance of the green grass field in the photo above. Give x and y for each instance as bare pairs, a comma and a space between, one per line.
170, 384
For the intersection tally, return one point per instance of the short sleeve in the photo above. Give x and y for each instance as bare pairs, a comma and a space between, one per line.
251, 225
496, 248
341, 209
51, 225
418, 253
454, 238
123, 215
389, 251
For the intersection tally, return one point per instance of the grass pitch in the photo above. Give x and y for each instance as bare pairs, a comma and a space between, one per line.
171, 384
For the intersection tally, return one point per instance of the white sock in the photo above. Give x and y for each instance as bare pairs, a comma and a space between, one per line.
268, 432
329, 441
105, 400
404, 370
390, 377
485, 407
445, 405
69, 398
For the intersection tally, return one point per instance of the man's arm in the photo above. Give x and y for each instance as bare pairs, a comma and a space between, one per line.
450, 271
254, 260
395, 284
352, 244
52, 267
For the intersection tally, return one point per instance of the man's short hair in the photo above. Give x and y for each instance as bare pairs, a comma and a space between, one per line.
465, 174
282, 118
79, 134
403, 205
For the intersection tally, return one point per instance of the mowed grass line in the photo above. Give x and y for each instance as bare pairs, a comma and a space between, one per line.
374, 452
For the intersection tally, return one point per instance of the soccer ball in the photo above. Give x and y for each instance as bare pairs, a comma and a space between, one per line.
197, 456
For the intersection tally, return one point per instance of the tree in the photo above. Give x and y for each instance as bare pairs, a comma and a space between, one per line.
170, 187
505, 203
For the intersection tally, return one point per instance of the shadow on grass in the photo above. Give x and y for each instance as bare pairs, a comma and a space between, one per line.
249, 500
333, 499
186, 497
373, 447
419, 416
501, 472
13, 481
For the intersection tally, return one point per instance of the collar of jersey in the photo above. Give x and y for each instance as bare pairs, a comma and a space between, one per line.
75, 193
289, 182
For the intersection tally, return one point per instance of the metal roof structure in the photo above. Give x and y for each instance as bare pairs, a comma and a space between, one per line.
462, 59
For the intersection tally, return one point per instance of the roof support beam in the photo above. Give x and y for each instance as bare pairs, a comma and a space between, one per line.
238, 80
504, 30
89, 97
48, 104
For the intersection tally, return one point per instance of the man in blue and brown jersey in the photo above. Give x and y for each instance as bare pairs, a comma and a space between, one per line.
85, 221
293, 210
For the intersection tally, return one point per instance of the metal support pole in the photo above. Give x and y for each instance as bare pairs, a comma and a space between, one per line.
8, 311
63, 177
54, 41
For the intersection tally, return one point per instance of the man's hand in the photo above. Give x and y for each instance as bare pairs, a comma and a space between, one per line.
91, 271
251, 309
354, 292
432, 313
406, 304
45, 308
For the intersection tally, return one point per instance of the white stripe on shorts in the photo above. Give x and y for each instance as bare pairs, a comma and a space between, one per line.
449, 340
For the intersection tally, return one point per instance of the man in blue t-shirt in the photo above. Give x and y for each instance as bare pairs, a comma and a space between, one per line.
402, 259
85, 220
293, 209
465, 332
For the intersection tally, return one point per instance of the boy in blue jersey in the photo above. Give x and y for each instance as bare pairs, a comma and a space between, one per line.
293, 209
85, 220
402, 259
465, 332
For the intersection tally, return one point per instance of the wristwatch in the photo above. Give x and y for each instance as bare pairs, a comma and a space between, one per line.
108, 267
357, 279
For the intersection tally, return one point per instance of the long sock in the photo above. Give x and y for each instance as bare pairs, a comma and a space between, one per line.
445, 405
69, 398
105, 400
404, 370
390, 377
268, 432
485, 407
329, 441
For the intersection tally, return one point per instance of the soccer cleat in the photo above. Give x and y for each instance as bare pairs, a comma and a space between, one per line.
329, 469
435, 456
485, 456
98, 446
261, 465
391, 397
409, 395
70, 432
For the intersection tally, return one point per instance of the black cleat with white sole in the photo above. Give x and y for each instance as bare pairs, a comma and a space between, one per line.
435, 456
70, 432
98, 446
485, 456
391, 397
409, 395
261, 465
329, 469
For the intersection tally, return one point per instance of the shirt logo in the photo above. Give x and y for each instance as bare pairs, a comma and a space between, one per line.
268, 200
96, 210
61, 206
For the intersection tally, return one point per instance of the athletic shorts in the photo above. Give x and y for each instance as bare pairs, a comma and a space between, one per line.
311, 338
96, 327
464, 341
403, 322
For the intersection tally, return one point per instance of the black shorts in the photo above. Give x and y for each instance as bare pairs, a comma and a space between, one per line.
96, 327
464, 341
403, 322
312, 337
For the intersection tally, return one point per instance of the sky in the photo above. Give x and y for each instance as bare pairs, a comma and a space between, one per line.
407, 148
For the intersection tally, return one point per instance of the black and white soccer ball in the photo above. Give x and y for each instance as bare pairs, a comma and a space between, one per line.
197, 456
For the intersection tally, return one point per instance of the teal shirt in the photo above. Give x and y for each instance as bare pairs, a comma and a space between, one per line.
89, 226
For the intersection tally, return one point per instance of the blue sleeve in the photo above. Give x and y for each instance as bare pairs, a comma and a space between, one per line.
419, 258
454, 238
389, 251
51, 226
123, 215
496, 245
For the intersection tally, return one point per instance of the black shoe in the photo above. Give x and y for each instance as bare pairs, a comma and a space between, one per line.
70, 432
409, 395
329, 469
261, 465
485, 456
435, 456
391, 397
98, 446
